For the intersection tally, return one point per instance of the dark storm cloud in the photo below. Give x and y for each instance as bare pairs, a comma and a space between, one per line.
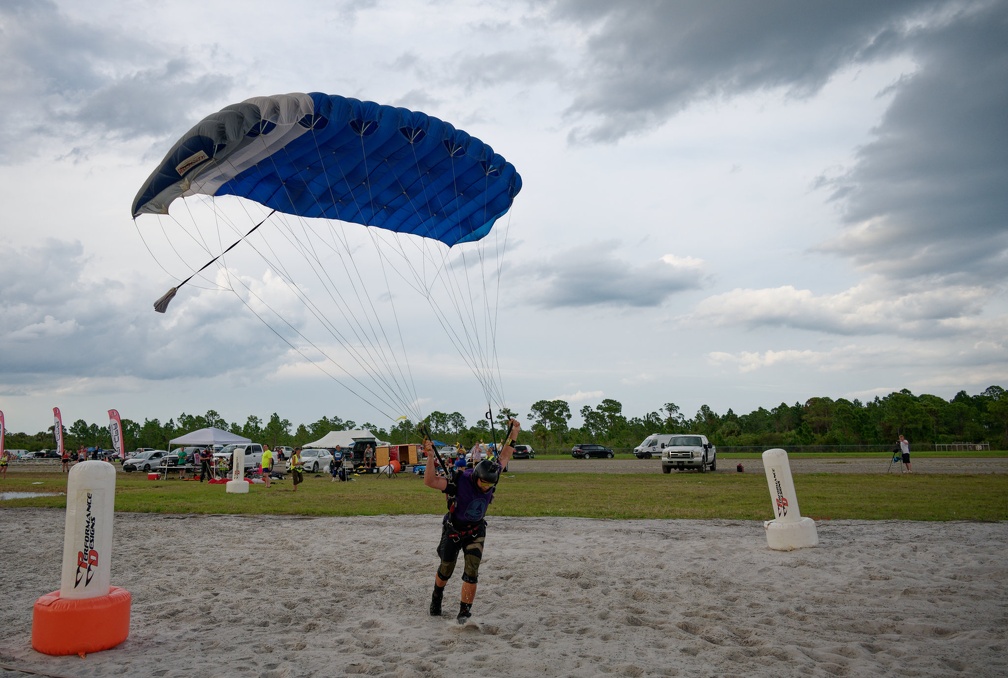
593, 275
650, 60
66, 83
927, 197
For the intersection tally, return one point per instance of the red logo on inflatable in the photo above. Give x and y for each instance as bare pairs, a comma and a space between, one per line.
86, 565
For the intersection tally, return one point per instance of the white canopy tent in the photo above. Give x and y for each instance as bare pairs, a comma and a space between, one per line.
344, 439
209, 436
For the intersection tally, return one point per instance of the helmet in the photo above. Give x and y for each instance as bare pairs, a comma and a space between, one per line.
487, 471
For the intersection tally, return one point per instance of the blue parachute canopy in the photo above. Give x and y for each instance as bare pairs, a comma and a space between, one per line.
322, 155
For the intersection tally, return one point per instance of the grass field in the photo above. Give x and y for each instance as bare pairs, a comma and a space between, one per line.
613, 496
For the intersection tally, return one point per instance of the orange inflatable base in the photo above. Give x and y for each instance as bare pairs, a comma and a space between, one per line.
63, 626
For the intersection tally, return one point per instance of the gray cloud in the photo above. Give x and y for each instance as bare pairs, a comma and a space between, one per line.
925, 199
874, 307
69, 80
650, 60
63, 320
593, 275
927, 196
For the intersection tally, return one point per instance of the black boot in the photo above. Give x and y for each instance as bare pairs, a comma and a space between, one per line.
435, 601
464, 612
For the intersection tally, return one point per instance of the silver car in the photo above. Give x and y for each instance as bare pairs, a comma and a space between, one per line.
145, 461
315, 460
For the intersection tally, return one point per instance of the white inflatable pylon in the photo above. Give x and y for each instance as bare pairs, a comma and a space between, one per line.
87, 614
237, 484
788, 530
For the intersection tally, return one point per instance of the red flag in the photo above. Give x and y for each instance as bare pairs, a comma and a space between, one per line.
58, 430
115, 430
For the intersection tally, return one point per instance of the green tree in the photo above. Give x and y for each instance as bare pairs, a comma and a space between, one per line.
457, 424
213, 420
674, 421
302, 435
253, 428
277, 431
551, 419
819, 415
77, 435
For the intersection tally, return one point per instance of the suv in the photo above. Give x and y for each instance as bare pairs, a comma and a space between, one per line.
688, 451
587, 451
523, 452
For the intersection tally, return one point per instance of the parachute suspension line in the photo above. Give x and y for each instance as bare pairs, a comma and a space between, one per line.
182, 227
377, 336
320, 350
408, 377
161, 305
450, 283
476, 356
366, 361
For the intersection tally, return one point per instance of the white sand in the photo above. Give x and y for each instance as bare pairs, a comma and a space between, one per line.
557, 597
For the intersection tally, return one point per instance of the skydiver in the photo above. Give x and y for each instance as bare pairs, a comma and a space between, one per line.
469, 492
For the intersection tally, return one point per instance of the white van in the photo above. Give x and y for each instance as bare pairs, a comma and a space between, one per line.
652, 445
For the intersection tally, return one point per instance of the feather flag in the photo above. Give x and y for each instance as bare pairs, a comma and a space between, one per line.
115, 430
58, 430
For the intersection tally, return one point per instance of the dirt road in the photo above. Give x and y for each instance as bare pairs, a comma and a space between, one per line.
946, 466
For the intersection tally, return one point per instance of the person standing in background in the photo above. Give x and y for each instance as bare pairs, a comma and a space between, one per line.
905, 450
297, 470
267, 464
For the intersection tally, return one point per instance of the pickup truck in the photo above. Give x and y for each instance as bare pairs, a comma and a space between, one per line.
253, 454
689, 451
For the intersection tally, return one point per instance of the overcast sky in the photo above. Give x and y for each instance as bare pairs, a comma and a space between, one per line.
735, 204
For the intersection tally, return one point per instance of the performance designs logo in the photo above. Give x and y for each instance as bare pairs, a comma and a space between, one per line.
87, 564
190, 162
782, 503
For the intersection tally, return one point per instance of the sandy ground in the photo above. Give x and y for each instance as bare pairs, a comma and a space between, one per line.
266, 596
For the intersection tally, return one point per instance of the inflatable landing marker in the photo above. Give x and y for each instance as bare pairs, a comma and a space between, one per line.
788, 530
237, 484
87, 614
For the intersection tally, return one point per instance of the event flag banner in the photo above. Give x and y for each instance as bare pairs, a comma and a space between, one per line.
1, 434
115, 430
58, 430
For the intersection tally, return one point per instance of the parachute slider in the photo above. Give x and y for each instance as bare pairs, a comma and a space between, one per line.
161, 305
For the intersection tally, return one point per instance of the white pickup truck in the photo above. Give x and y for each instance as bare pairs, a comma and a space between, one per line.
688, 451
253, 454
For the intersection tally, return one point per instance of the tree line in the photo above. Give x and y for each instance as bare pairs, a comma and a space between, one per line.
924, 419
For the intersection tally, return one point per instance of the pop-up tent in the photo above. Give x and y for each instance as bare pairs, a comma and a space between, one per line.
209, 436
345, 439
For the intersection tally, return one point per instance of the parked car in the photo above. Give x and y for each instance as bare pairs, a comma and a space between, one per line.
283, 452
586, 451
523, 452
191, 456
688, 452
315, 460
145, 461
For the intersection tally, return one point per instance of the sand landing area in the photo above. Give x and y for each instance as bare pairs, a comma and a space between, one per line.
286, 597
